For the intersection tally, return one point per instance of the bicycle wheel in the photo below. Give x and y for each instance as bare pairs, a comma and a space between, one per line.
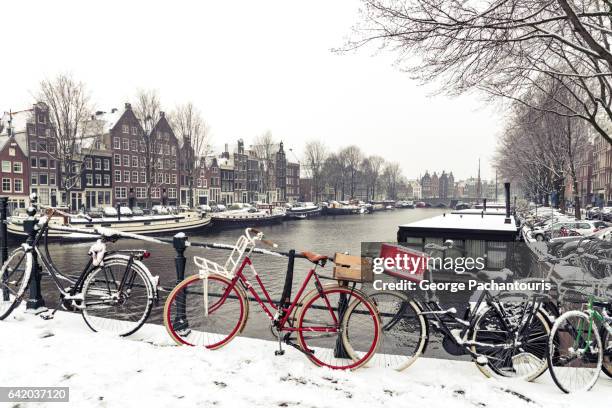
522, 356
193, 319
403, 330
14, 279
111, 310
574, 356
335, 338
606, 341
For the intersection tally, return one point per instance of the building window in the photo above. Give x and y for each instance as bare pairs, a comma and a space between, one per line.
42, 163
6, 166
134, 177
199, 182
98, 164
43, 179
142, 161
134, 130
117, 176
34, 162
174, 179
6, 185
34, 179
107, 180
88, 163
88, 179
52, 163
106, 164
51, 148
18, 184
134, 145
204, 183
17, 167
98, 180
126, 160
141, 192
41, 118
116, 143
117, 159
143, 177
51, 179
172, 193
155, 192
134, 161
33, 146
126, 176
42, 147
120, 192
125, 129
126, 144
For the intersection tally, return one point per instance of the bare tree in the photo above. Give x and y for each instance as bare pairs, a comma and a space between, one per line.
372, 168
352, 157
508, 48
148, 110
69, 111
264, 147
316, 154
392, 176
194, 132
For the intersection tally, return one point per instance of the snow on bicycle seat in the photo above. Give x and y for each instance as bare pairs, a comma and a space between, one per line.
314, 257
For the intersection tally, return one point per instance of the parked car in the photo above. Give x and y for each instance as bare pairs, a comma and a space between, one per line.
125, 211
204, 208
109, 211
583, 228
159, 209
95, 212
137, 211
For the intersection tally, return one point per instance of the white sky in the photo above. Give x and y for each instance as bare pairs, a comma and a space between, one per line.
249, 66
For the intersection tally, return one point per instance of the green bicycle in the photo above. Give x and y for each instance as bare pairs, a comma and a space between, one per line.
578, 349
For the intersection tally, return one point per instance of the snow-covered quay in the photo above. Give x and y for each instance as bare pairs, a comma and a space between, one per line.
147, 370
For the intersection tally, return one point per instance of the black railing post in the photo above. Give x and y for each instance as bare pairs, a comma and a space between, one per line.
339, 350
180, 245
3, 231
30, 226
4, 244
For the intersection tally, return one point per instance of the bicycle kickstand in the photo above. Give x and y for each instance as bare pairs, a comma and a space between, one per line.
280, 350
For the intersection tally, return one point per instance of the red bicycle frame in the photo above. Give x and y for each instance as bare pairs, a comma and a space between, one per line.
287, 311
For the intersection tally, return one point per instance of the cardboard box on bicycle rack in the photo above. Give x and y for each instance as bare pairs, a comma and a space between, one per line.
352, 268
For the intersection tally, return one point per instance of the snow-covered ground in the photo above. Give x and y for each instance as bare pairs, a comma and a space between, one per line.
147, 370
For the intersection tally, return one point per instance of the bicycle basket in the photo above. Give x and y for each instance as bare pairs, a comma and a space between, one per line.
206, 268
352, 268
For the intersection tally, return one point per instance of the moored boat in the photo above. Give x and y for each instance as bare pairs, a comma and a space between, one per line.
303, 210
141, 224
242, 215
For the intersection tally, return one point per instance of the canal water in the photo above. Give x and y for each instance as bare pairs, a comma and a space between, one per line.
324, 234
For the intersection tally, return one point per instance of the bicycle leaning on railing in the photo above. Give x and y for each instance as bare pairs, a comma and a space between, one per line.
580, 343
114, 292
336, 325
506, 339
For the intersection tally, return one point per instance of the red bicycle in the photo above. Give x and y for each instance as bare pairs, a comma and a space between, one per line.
336, 326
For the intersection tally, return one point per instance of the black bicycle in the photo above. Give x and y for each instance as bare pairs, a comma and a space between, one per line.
504, 337
114, 292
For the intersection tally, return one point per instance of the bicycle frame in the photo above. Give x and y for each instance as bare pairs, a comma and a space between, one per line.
279, 315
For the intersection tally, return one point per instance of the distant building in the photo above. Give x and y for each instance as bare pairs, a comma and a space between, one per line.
15, 171
602, 172
426, 190
293, 182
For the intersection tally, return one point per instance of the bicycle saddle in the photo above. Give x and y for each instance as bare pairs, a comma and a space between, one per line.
314, 257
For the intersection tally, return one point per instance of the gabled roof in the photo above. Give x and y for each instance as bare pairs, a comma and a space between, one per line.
19, 122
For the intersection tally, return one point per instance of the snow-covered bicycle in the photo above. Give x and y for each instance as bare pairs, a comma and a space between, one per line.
114, 292
336, 325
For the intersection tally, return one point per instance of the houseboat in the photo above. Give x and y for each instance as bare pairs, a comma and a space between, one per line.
343, 208
303, 210
125, 222
243, 215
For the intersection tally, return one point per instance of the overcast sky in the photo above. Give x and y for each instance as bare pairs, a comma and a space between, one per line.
249, 66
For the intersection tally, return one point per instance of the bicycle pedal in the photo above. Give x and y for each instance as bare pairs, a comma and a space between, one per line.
47, 316
279, 352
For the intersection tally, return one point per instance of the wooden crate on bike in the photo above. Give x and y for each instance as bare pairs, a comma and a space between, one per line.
352, 268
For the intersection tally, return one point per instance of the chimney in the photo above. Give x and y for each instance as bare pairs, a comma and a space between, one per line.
113, 110
162, 114
226, 148
507, 190
128, 106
